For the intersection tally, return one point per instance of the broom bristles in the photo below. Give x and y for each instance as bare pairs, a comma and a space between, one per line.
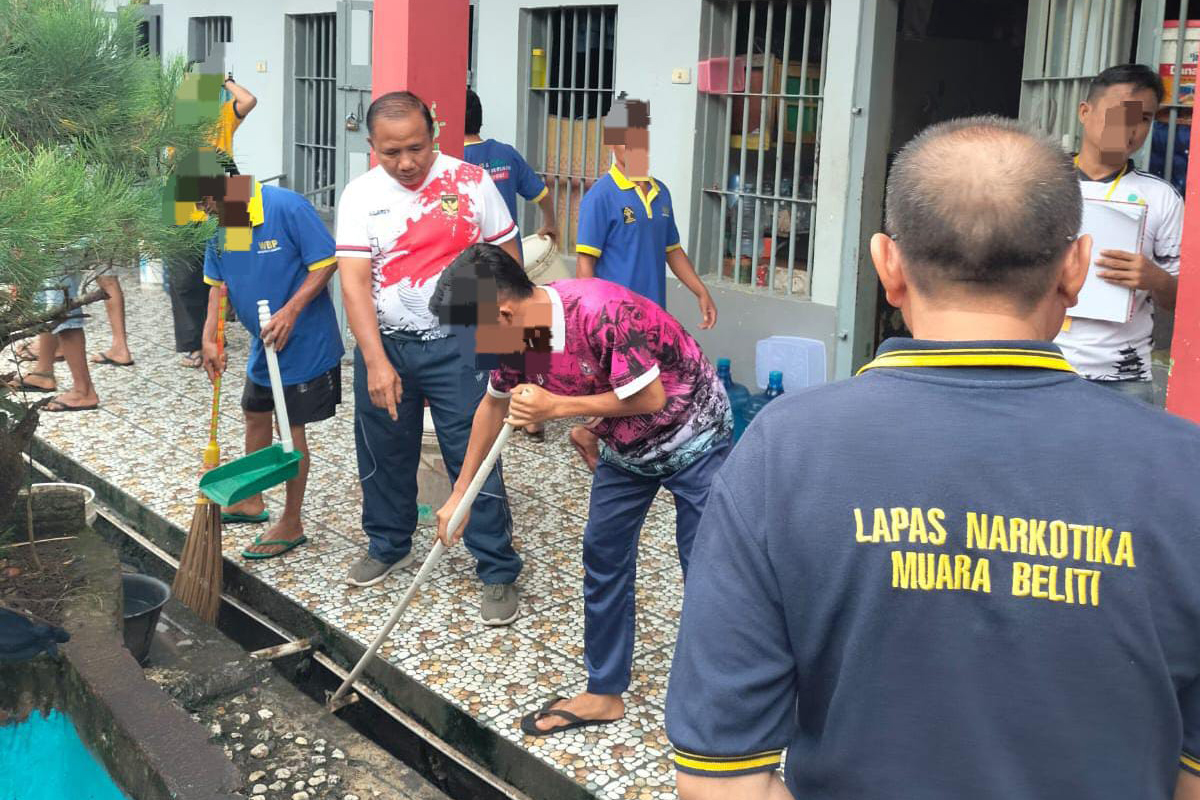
198, 579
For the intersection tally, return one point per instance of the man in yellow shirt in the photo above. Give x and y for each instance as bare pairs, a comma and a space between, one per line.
233, 111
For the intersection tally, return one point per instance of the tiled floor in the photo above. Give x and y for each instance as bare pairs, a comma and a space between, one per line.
148, 436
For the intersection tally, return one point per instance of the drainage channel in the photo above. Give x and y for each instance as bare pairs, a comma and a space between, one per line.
315, 674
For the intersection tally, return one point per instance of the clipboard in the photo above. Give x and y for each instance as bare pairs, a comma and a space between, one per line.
1113, 225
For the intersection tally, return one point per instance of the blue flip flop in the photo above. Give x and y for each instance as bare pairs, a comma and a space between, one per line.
234, 519
284, 543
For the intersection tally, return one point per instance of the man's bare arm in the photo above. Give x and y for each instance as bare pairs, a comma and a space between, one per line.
585, 266
1187, 787
759, 786
243, 101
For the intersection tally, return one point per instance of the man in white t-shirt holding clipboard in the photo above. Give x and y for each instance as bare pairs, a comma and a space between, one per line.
1116, 117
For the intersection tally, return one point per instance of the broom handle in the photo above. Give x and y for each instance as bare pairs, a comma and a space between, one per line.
431, 560
216, 401
285, 430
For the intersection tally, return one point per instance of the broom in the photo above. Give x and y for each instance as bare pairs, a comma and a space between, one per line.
198, 579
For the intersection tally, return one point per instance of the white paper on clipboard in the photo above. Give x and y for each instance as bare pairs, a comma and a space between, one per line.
1113, 225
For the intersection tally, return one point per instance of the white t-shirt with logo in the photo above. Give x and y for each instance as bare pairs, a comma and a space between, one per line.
1114, 351
412, 235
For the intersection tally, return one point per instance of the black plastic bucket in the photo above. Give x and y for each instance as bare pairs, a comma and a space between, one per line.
144, 599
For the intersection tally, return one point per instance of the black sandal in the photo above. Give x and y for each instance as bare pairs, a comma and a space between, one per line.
530, 728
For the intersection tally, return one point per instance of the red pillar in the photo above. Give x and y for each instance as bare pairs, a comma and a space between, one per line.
421, 46
1183, 387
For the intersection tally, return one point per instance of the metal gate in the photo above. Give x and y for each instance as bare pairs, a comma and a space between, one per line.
1067, 42
355, 30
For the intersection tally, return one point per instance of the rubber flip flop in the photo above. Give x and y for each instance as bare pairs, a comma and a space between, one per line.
25, 386
235, 519
57, 407
103, 359
24, 353
284, 543
529, 727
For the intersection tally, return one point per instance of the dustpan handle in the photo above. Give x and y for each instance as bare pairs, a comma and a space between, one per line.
285, 430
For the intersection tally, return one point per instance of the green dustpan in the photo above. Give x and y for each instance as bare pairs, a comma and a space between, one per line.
249, 475
271, 466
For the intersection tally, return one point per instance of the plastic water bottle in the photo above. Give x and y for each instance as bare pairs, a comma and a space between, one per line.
774, 389
738, 394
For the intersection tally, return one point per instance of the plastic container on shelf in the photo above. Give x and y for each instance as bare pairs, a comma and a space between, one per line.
537, 68
738, 394
712, 75
1186, 82
801, 360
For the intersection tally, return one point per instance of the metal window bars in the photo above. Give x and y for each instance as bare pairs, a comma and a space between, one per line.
1067, 42
570, 91
204, 32
1173, 102
313, 108
762, 86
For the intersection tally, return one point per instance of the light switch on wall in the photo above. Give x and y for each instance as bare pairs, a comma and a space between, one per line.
260, 66
681, 75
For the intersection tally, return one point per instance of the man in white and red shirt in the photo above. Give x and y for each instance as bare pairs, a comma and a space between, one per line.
398, 226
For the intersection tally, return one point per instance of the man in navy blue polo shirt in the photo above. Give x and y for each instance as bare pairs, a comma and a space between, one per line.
272, 246
968, 572
508, 169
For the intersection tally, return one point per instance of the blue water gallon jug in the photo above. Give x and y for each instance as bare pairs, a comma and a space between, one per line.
738, 394
774, 389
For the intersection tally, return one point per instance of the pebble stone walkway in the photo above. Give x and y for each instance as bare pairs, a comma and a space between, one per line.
148, 436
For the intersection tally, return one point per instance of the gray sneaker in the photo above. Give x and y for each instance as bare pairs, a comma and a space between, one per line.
368, 572
498, 604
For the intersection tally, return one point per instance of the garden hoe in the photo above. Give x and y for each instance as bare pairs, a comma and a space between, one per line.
340, 699
260, 470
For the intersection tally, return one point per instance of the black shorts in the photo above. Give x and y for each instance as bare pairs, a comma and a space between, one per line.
307, 402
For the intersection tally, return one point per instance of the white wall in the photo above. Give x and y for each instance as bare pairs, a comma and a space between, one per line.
258, 35
653, 38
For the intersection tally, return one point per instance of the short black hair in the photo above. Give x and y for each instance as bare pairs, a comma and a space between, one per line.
482, 271
983, 204
396, 105
1139, 75
473, 119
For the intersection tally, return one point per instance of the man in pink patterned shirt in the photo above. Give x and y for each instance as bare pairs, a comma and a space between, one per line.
592, 348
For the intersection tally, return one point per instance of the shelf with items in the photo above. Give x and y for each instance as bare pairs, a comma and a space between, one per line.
795, 88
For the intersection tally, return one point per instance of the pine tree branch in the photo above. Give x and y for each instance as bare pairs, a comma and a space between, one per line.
27, 327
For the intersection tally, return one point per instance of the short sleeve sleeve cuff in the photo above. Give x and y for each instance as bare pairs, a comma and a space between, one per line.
634, 386
353, 251
213, 281
675, 246
322, 264
545, 191
588, 250
497, 393
1189, 763
504, 235
727, 766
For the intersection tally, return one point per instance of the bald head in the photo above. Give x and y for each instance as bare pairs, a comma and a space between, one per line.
983, 206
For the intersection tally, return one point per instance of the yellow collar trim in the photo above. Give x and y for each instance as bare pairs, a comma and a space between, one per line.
971, 357
255, 207
624, 184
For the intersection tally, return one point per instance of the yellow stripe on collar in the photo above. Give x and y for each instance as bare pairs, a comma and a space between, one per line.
624, 184
255, 207
971, 357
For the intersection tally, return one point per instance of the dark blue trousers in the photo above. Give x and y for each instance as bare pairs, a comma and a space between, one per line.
388, 454
618, 506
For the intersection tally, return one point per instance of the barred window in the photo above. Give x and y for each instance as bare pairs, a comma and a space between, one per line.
204, 32
313, 105
761, 80
570, 58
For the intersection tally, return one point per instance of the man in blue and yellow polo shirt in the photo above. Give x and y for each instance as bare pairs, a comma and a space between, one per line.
968, 572
626, 222
627, 231
272, 246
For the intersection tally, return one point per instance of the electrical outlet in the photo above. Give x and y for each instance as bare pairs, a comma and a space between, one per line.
261, 66
681, 75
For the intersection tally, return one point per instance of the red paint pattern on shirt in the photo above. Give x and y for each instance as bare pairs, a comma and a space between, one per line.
436, 237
